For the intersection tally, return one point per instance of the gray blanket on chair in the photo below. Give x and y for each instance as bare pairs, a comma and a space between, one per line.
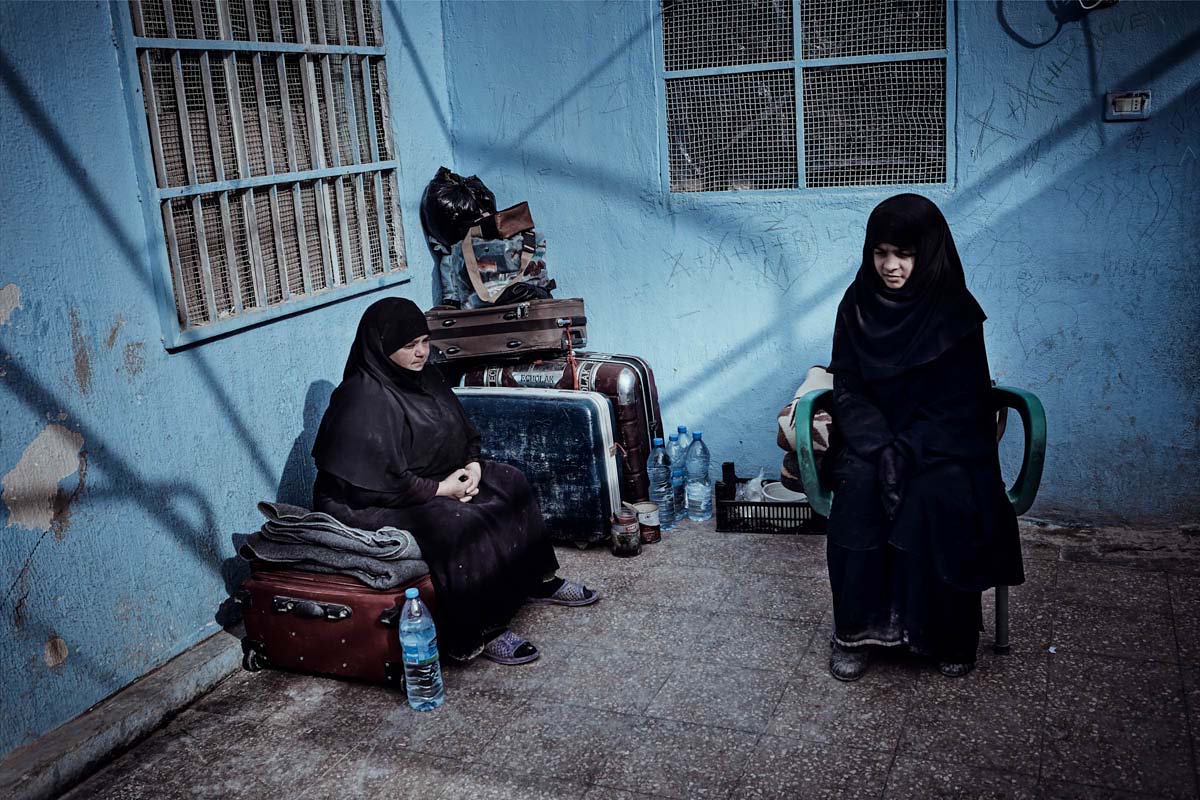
311, 540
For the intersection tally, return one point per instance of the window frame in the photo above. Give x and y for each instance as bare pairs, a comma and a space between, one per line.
153, 198
797, 65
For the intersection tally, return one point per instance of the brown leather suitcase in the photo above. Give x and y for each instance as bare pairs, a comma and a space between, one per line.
513, 331
626, 380
324, 624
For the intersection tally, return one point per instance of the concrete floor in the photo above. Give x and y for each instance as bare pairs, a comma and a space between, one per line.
662, 690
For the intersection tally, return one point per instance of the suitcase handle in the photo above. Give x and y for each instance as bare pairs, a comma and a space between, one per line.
391, 616
310, 609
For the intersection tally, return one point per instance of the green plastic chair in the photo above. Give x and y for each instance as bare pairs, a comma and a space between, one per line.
1022, 494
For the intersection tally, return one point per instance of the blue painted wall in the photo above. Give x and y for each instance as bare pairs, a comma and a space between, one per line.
176, 448
1079, 236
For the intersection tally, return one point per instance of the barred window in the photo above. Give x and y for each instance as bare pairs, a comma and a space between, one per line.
782, 94
271, 162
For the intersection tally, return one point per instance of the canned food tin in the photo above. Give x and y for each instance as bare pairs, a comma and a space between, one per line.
647, 515
626, 534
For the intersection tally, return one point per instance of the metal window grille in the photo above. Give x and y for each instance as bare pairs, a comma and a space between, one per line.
270, 134
732, 131
875, 124
869, 79
722, 34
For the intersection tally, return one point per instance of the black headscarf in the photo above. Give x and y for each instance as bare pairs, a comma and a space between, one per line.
882, 332
385, 327
383, 420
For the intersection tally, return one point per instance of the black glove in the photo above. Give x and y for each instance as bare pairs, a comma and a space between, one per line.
893, 469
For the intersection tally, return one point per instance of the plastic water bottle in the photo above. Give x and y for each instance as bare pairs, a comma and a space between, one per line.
677, 453
685, 441
418, 640
699, 487
658, 471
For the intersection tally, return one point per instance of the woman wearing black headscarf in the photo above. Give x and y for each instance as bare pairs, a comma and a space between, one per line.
395, 448
920, 523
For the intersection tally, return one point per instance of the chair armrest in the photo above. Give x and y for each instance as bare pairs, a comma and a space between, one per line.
819, 497
1033, 420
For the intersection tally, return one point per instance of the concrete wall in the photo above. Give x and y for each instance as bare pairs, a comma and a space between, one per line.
1079, 236
126, 470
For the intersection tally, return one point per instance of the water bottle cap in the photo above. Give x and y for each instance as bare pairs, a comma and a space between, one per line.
411, 592
682, 429
698, 435
657, 441
674, 437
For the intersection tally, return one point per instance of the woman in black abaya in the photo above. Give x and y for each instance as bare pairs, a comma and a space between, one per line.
920, 523
396, 449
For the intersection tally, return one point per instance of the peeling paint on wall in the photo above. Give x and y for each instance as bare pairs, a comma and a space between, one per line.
10, 300
55, 652
64, 501
112, 334
135, 358
83, 360
31, 490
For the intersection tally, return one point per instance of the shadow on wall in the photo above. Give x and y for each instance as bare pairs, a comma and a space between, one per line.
299, 473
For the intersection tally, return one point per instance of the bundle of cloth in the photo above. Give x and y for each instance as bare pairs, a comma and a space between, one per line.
297, 538
816, 378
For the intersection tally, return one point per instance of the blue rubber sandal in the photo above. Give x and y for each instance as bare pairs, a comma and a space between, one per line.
569, 594
508, 648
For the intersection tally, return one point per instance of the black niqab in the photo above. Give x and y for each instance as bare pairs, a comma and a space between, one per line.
882, 333
384, 421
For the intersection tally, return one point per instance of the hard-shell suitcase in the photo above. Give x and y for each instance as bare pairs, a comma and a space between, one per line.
563, 442
325, 624
627, 381
507, 332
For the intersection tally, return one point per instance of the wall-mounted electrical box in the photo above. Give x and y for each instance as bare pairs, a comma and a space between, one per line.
1121, 106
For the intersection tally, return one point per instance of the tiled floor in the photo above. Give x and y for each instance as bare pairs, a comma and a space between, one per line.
702, 674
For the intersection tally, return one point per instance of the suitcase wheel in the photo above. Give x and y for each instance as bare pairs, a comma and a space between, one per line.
252, 658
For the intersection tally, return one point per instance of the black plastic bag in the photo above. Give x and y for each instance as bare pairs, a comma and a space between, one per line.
524, 292
451, 205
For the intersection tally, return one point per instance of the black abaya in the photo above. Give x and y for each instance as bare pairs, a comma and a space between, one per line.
911, 377
389, 437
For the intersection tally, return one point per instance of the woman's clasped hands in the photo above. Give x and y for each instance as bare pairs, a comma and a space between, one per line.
462, 484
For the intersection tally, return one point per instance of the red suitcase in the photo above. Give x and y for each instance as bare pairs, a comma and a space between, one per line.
627, 381
324, 624
520, 330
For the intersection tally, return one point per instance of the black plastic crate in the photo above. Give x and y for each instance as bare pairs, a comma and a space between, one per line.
768, 516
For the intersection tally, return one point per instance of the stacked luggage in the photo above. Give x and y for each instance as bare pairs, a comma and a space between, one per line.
578, 424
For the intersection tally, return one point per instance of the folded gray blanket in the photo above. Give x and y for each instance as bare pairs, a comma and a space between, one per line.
316, 542
287, 524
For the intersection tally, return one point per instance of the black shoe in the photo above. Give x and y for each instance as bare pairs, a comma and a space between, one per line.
848, 664
953, 670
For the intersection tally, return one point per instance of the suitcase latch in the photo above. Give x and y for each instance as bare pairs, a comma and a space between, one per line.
519, 311
310, 609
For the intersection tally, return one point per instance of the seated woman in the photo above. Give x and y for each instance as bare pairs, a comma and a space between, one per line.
920, 523
395, 448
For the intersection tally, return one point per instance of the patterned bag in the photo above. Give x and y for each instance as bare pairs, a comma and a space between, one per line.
491, 266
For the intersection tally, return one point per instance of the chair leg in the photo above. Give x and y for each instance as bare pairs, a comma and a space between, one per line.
1001, 647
